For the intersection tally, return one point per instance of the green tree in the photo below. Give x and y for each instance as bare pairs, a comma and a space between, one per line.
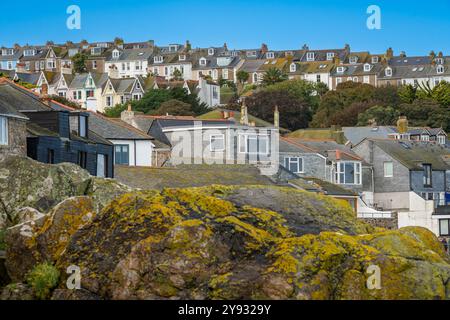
79, 63
65, 101
294, 112
273, 75
177, 75
174, 108
383, 116
242, 76
407, 93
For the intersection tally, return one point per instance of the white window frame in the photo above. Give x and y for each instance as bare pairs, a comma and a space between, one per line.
375, 59
158, 59
293, 67
366, 79
386, 173
298, 160
202, 62
4, 141
182, 57
388, 72
225, 74
357, 173
367, 67
330, 56
220, 137
270, 55
248, 136
353, 59
425, 137
440, 69
310, 56
116, 54
441, 139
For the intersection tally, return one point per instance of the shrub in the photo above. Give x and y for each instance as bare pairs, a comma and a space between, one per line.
43, 279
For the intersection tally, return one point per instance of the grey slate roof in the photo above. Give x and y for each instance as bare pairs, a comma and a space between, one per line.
15, 57
414, 154
357, 134
252, 65
114, 129
20, 99
31, 78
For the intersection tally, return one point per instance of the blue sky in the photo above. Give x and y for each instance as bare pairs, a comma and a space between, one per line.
413, 26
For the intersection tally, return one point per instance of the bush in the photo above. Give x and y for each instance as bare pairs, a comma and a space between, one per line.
43, 279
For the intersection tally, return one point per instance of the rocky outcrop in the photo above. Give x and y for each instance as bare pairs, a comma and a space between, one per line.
27, 183
234, 243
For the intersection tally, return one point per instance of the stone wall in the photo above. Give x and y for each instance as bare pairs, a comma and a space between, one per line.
17, 139
390, 224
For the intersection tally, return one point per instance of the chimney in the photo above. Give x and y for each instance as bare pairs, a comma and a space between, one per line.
44, 90
337, 60
264, 48
403, 54
276, 117
128, 115
113, 72
432, 55
244, 114
389, 53
225, 46
402, 125
305, 47
347, 47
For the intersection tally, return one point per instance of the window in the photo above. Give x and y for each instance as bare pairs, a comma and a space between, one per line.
444, 227
215, 74
254, 144
251, 53
29, 52
109, 101
293, 67
182, 57
338, 80
340, 69
310, 56
294, 164
388, 72
427, 175
202, 62
441, 139
27, 65
440, 69
366, 79
128, 66
355, 79
348, 173
82, 159
215, 92
210, 51
367, 67
330, 56
137, 96
138, 65
116, 54
83, 126
225, 74
375, 59
94, 64
217, 143
425, 137
122, 154
51, 64
3, 131
158, 59
270, 55
42, 65
388, 169
50, 156
353, 59
255, 78
318, 78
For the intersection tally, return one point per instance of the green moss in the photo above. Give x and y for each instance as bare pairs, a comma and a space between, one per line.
43, 279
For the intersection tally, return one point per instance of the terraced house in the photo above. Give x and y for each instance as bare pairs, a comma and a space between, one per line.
128, 62
10, 57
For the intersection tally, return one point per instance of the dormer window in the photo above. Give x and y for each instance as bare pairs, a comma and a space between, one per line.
330, 56
29, 52
270, 55
202, 62
96, 51
158, 59
375, 59
310, 56
441, 139
353, 59
293, 67
116, 54
388, 72
173, 48
439, 60
234, 53
251, 53
367, 67
8, 52
440, 69
210, 51
340, 69
182, 57
425, 137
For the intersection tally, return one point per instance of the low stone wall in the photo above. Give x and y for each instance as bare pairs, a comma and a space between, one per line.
390, 223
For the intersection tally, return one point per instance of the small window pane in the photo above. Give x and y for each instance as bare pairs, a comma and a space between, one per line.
444, 227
